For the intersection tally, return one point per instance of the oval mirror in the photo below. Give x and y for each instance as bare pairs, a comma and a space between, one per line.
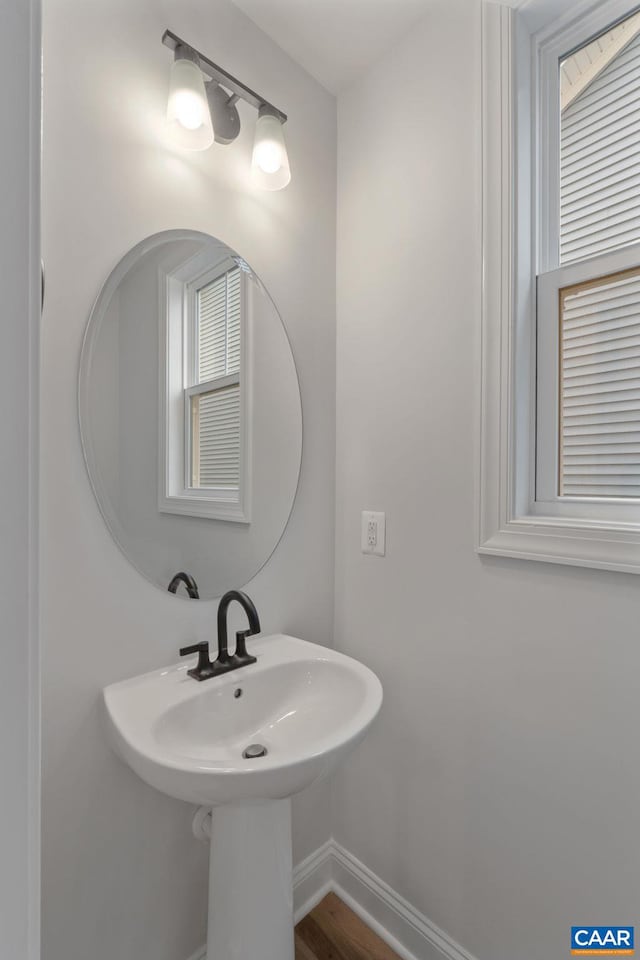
190, 413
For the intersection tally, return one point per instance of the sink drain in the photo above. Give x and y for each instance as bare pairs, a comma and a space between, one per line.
253, 751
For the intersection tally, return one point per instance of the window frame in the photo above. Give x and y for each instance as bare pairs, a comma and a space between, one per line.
547, 500
177, 298
518, 46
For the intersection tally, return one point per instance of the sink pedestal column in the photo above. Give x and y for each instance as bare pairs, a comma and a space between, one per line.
251, 882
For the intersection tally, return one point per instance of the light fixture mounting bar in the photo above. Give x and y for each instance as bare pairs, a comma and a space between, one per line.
214, 72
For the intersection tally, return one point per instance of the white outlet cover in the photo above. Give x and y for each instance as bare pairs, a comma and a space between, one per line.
373, 533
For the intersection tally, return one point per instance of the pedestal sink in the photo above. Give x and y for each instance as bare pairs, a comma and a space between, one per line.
300, 708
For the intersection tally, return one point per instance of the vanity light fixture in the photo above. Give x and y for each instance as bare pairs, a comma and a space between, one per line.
188, 112
202, 108
270, 163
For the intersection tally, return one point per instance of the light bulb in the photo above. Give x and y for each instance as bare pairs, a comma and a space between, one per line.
188, 114
270, 162
268, 156
188, 109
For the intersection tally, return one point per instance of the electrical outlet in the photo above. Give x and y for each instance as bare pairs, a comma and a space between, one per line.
373, 533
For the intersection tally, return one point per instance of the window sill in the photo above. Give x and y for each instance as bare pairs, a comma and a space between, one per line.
204, 507
554, 541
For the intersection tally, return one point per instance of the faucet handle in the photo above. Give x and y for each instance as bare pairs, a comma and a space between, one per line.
241, 655
203, 669
195, 648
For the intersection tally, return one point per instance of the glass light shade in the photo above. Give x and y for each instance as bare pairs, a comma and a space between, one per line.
270, 163
188, 114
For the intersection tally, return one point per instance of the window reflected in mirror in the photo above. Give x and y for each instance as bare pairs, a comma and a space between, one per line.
190, 412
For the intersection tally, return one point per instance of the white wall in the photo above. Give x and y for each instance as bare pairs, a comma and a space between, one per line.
123, 877
19, 284
499, 790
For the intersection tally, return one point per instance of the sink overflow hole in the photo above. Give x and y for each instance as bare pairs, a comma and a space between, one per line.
253, 751
237, 693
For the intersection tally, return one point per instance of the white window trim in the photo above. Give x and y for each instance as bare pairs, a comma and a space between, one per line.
175, 292
548, 502
508, 524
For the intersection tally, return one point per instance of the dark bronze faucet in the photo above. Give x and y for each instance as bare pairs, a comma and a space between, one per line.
189, 582
225, 661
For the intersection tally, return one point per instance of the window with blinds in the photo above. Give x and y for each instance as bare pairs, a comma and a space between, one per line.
588, 362
218, 325
600, 144
214, 398
215, 418
600, 387
206, 428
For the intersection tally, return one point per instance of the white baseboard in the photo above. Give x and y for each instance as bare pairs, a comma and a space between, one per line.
407, 931
312, 880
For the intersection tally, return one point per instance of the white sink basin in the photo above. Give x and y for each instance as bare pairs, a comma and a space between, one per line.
305, 703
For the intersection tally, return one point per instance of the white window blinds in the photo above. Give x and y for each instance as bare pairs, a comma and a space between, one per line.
215, 409
600, 158
600, 388
219, 306
216, 438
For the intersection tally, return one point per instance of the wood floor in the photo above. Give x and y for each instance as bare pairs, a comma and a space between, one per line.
333, 932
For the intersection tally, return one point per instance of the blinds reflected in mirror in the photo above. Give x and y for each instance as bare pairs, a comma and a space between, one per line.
600, 387
216, 438
219, 312
215, 409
